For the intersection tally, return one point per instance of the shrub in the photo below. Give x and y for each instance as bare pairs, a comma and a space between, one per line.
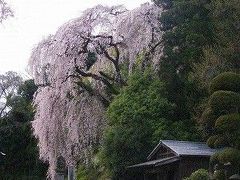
220, 141
214, 159
219, 175
227, 81
201, 174
228, 123
208, 117
224, 102
229, 155
136, 118
227, 130
211, 140
207, 122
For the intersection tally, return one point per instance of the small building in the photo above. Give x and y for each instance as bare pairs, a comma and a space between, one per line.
173, 160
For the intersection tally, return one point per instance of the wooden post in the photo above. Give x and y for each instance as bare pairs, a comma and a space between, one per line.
71, 175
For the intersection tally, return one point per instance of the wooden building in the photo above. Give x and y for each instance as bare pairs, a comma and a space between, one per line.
173, 160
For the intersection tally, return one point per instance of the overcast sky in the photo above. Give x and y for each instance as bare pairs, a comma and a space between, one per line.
35, 19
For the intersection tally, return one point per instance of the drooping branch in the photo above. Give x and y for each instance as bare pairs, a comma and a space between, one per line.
94, 92
97, 40
115, 61
91, 91
83, 63
94, 76
5, 11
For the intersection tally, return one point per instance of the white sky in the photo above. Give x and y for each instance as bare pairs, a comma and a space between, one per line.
35, 19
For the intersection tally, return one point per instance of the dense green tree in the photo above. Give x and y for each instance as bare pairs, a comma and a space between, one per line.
201, 40
187, 30
225, 16
16, 140
223, 55
138, 118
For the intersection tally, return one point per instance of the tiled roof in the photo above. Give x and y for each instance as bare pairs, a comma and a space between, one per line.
189, 148
185, 148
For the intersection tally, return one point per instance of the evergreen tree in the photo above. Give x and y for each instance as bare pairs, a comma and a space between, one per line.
187, 30
138, 118
221, 119
16, 140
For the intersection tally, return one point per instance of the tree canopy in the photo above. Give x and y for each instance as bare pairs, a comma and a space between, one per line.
138, 117
16, 140
81, 68
114, 81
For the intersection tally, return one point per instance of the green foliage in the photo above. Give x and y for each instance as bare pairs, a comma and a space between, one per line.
138, 117
201, 174
207, 121
223, 109
91, 59
231, 155
227, 155
201, 40
219, 175
228, 123
221, 55
16, 140
225, 15
227, 81
89, 173
81, 173
210, 66
211, 141
223, 102
187, 30
94, 170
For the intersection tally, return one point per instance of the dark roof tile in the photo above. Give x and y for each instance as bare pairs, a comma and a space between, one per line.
189, 148
185, 148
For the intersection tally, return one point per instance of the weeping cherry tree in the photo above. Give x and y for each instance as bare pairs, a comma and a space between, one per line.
80, 69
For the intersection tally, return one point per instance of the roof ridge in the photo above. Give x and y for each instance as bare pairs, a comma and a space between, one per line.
183, 141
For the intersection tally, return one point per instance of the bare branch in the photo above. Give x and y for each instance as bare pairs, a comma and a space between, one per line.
5, 11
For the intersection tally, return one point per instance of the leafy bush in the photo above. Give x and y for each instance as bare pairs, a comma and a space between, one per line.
207, 121
224, 102
137, 119
211, 140
220, 141
227, 81
81, 173
223, 109
226, 131
201, 174
230, 155
228, 123
219, 175
216, 141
